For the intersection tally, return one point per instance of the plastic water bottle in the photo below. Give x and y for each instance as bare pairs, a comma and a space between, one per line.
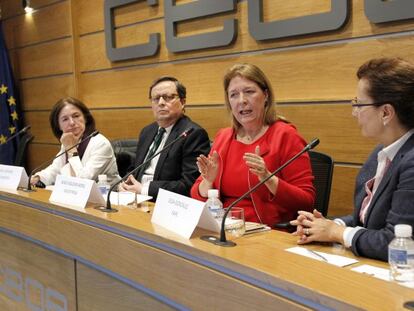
103, 185
214, 204
401, 254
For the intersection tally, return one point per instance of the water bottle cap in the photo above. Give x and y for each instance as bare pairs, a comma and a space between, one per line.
403, 231
213, 193
102, 177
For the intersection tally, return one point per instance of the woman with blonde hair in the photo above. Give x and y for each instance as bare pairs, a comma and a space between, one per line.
258, 143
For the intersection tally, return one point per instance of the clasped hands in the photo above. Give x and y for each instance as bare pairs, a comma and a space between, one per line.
131, 185
312, 227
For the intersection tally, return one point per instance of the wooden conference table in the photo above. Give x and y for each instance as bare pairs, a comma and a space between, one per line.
56, 258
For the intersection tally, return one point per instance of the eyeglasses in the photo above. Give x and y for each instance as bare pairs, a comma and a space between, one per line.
356, 106
168, 98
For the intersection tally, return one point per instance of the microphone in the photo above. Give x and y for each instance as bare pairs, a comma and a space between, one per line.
108, 208
29, 185
222, 241
22, 131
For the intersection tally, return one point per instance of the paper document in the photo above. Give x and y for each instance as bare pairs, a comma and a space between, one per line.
127, 198
340, 261
379, 273
252, 227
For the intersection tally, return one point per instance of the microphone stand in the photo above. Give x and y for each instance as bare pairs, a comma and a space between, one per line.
109, 208
29, 185
222, 241
22, 131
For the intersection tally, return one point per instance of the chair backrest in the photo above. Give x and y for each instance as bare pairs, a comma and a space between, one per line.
322, 167
20, 159
124, 150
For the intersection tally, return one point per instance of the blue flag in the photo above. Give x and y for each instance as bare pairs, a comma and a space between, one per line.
9, 116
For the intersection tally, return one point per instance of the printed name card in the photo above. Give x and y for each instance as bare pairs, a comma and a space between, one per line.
12, 177
181, 214
75, 192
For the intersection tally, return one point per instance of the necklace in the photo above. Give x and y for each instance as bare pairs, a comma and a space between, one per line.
245, 138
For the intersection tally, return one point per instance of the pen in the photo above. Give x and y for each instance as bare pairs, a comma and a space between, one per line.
317, 254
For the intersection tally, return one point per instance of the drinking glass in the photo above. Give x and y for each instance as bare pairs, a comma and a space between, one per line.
235, 224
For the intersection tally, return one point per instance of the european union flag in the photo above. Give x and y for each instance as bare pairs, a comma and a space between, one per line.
9, 116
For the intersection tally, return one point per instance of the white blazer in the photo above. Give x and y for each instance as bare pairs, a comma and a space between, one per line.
99, 158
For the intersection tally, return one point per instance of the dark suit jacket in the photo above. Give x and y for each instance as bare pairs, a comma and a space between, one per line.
392, 204
176, 169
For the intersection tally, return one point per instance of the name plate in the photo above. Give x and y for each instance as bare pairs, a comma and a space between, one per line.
12, 177
181, 214
75, 192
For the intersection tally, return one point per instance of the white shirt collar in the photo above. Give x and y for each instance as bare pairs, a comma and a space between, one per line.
391, 150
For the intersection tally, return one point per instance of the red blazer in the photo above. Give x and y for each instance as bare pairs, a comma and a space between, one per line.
295, 190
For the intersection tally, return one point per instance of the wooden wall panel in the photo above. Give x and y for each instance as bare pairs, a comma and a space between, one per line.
297, 75
46, 59
334, 125
43, 93
91, 17
342, 192
358, 26
12, 8
49, 23
39, 153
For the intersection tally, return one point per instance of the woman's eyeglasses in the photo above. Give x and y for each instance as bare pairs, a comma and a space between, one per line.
356, 106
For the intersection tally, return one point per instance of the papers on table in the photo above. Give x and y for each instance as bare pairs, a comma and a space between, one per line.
127, 198
340, 261
379, 273
253, 227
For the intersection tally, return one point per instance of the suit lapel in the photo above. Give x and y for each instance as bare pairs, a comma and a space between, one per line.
408, 145
367, 172
147, 141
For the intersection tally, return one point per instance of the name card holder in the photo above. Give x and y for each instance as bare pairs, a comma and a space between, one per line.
12, 177
74, 192
181, 214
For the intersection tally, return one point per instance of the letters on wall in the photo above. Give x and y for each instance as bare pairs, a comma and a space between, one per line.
377, 11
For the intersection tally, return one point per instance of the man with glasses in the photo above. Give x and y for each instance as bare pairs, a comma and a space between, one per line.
174, 169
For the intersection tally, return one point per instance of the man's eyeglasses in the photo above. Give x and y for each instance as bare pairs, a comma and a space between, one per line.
168, 98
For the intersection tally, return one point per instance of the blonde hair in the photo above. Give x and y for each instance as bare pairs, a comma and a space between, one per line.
252, 73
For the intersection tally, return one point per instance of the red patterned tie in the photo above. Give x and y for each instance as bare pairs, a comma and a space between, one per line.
369, 185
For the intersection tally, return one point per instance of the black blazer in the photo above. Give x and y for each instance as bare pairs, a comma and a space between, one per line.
392, 204
176, 169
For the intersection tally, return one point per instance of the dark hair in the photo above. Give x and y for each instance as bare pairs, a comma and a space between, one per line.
181, 90
256, 75
391, 80
61, 103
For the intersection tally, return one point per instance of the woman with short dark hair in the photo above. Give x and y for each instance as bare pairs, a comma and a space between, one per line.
71, 121
384, 191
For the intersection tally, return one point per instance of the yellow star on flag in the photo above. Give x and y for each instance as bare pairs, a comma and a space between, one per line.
14, 115
12, 129
3, 89
2, 139
12, 101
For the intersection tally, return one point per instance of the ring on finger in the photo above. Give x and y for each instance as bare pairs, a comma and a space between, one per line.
307, 231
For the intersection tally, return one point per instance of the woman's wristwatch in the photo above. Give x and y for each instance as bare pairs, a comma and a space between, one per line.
73, 154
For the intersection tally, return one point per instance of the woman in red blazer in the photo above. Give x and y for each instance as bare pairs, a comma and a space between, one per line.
258, 143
